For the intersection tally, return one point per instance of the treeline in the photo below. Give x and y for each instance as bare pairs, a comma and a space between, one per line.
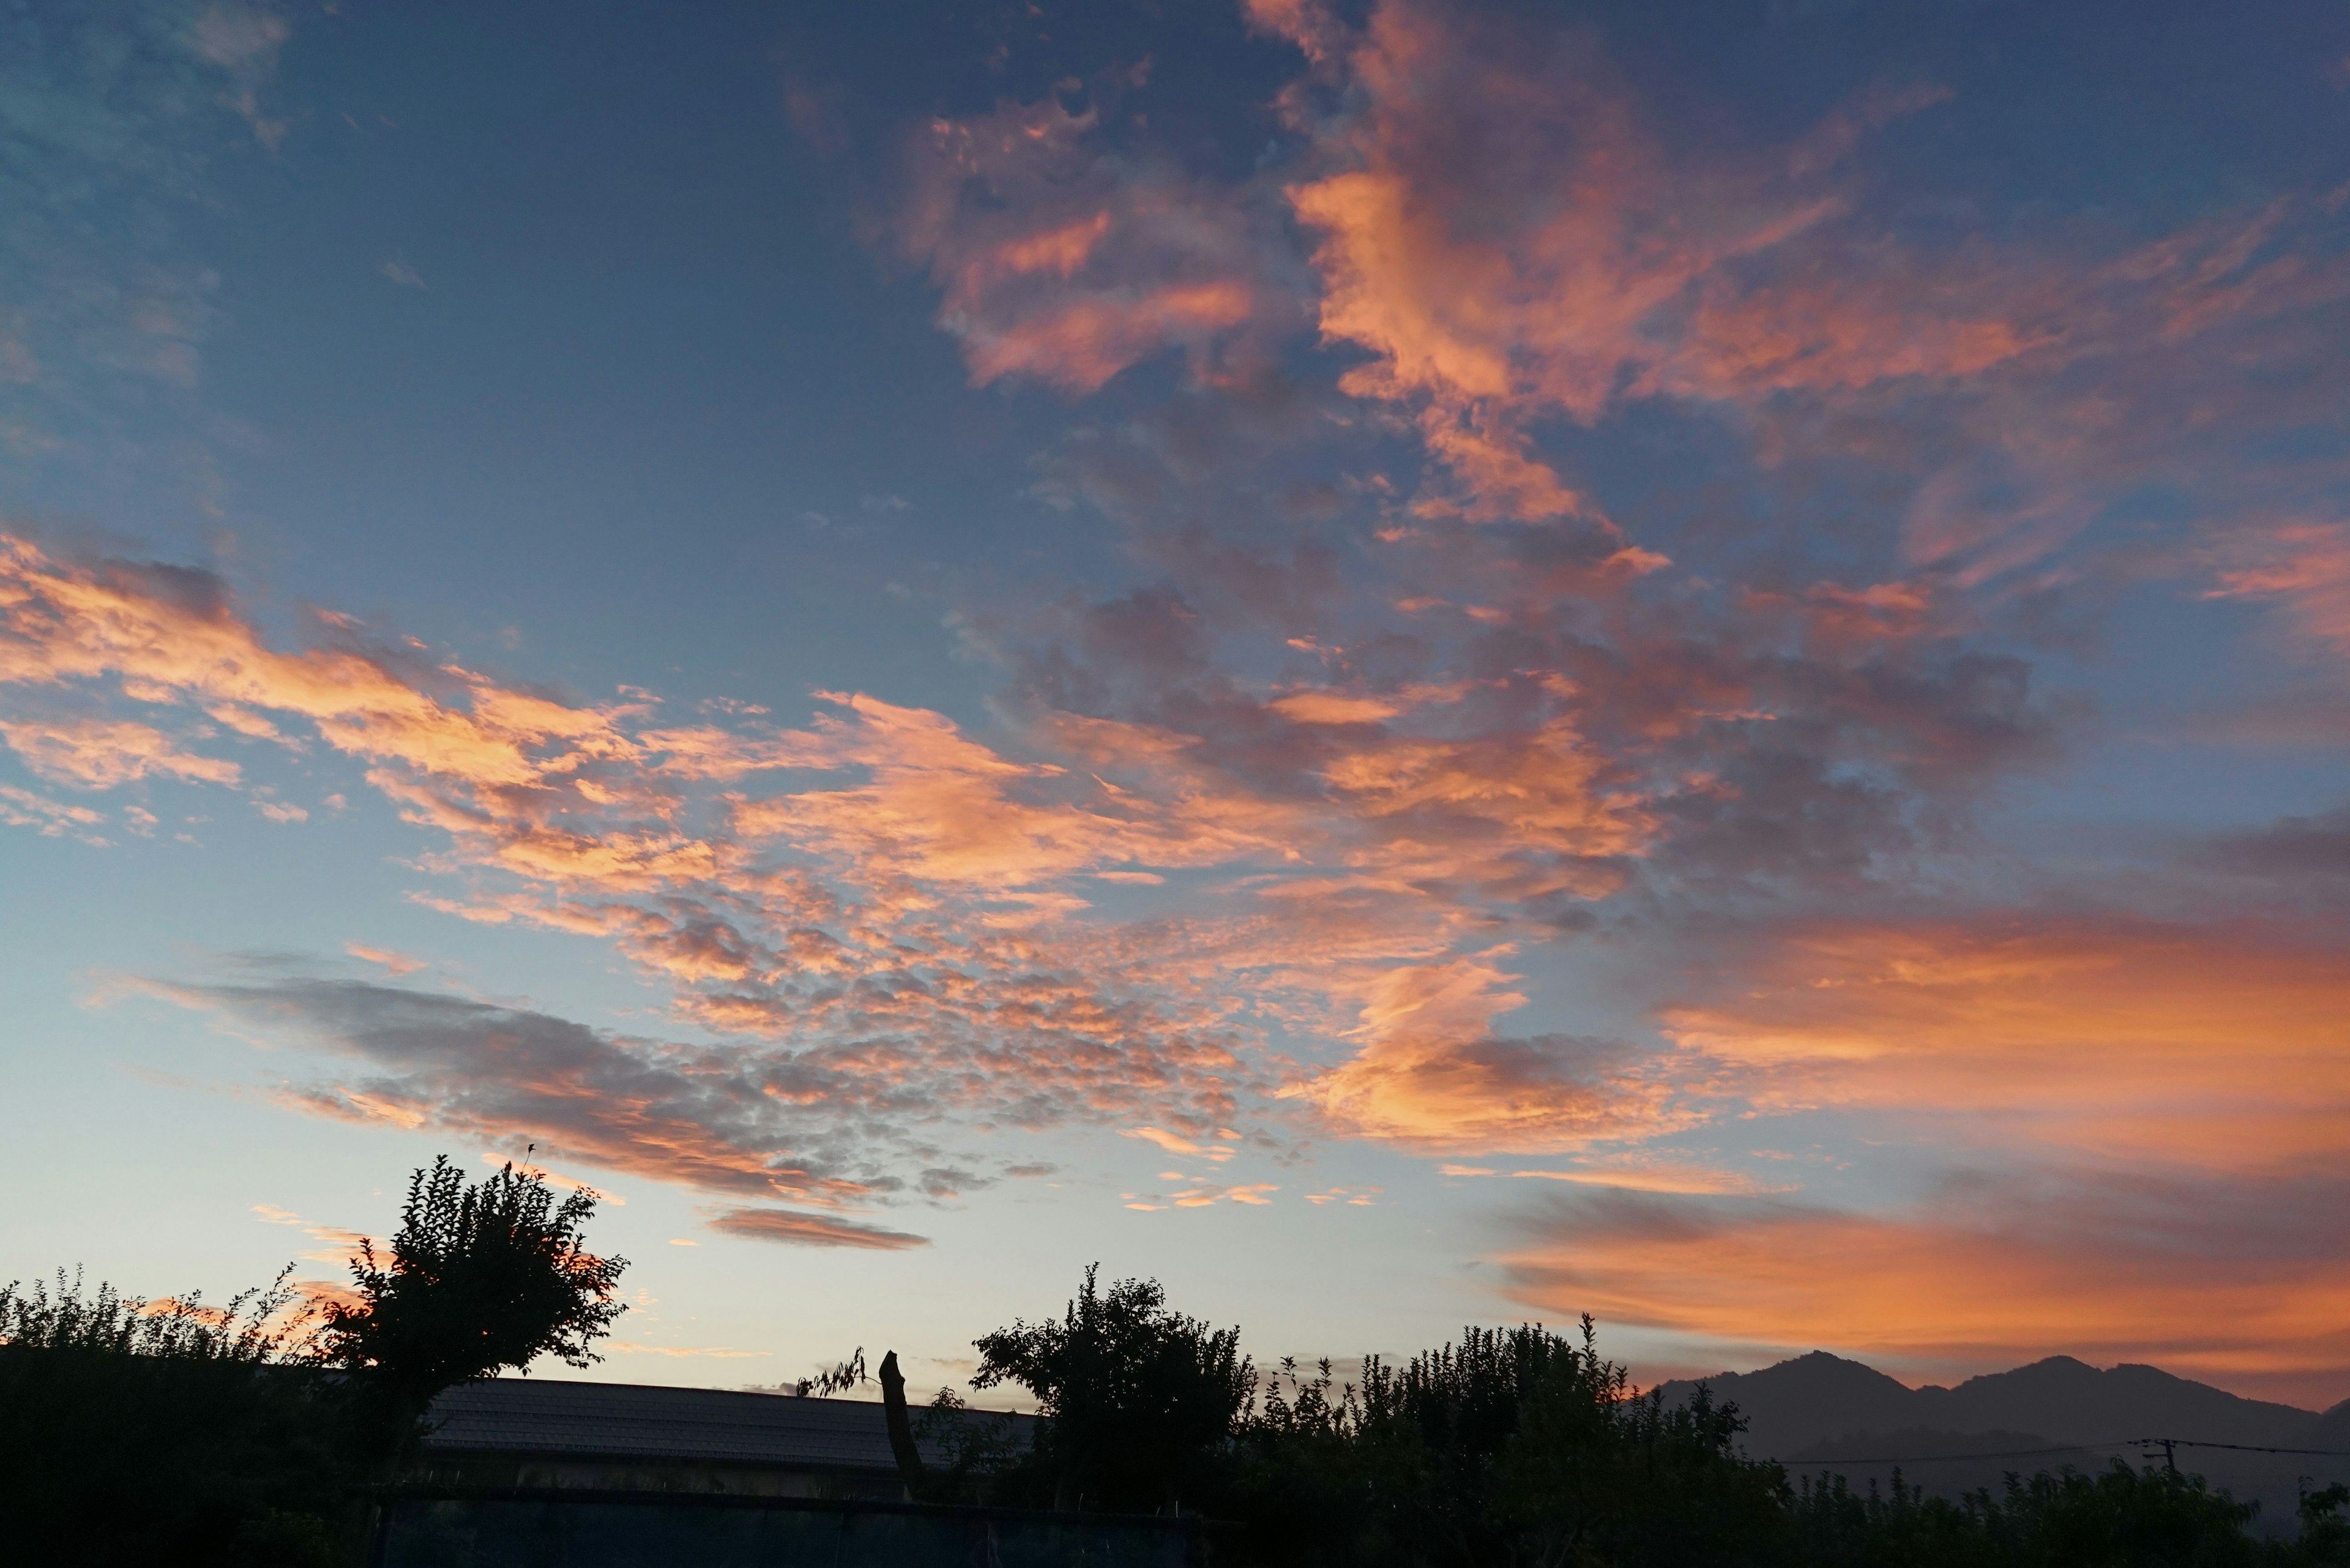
1513, 1447
258, 1434
261, 1433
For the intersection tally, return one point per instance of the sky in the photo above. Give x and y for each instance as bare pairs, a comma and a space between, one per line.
1403, 663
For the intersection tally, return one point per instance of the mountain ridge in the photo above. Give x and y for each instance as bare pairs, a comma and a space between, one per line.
1821, 1411
1808, 1400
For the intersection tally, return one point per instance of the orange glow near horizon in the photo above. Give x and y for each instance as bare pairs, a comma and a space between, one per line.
2220, 1050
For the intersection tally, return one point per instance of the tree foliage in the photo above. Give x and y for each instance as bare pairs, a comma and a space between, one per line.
1522, 1447
480, 1277
1508, 1446
2123, 1517
240, 1436
135, 1430
256, 1327
1135, 1397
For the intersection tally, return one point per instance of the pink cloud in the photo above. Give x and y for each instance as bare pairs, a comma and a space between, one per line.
2303, 565
1062, 259
798, 1230
921, 921
396, 964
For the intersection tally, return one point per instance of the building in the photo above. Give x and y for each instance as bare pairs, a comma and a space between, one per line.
527, 1432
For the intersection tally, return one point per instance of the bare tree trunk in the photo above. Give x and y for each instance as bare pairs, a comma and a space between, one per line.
901, 1428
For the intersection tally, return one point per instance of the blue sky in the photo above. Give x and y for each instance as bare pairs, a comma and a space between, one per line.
1403, 664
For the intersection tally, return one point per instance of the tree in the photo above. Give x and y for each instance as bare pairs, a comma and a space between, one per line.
1136, 1398
480, 1277
135, 1430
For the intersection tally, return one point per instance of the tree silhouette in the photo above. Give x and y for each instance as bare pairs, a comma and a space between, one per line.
1134, 1396
480, 1277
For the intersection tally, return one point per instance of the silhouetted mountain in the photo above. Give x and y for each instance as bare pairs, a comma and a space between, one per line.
2333, 1428
1821, 1408
1798, 1404
2074, 1402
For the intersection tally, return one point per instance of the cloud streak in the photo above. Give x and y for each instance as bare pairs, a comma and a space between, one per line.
795, 1229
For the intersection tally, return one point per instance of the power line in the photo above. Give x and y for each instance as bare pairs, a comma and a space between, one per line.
2067, 1449
1923, 1458
2243, 1447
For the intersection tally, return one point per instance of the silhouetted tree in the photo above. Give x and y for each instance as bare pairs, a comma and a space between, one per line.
480, 1277
142, 1431
1508, 1446
2119, 1518
1595, 1472
1136, 1398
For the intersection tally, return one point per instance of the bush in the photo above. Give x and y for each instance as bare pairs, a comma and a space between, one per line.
136, 1431
1137, 1400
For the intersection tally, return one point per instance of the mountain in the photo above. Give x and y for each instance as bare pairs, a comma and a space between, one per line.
1799, 1403
1822, 1412
2075, 1401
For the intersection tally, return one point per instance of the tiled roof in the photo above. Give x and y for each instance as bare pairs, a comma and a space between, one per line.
635, 1421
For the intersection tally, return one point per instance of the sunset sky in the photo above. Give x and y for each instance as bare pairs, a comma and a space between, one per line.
1404, 663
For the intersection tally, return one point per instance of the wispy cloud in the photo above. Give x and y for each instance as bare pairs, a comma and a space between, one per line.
98, 754
704, 1117
797, 1229
396, 964
1061, 258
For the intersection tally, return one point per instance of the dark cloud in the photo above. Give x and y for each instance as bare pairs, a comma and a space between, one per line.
2312, 849
720, 1119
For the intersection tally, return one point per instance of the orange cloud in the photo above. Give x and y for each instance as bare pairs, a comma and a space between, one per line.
1499, 228
498, 765
554, 1179
1433, 1075
1082, 343
99, 754
1254, 1194
923, 927
340, 1246
1173, 1143
1629, 1176
1503, 236
2212, 1047
396, 964
51, 818
1059, 260
1981, 1280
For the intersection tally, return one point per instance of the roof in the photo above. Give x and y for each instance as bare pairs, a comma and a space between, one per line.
637, 1420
